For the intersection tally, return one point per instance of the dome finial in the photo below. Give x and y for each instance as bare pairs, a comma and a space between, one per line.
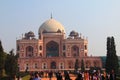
51, 15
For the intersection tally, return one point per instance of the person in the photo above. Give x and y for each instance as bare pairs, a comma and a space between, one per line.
31, 77
58, 76
112, 75
15, 78
95, 77
19, 78
37, 77
86, 75
104, 76
50, 74
67, 77
79, 76
99, 75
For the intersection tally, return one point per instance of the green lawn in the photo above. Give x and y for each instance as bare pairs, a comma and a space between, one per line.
27, 77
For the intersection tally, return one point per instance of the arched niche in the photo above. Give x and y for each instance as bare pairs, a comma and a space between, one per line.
29, 51
75, 51
52, 49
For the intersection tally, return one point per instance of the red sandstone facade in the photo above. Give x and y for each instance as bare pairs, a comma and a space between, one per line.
52, 50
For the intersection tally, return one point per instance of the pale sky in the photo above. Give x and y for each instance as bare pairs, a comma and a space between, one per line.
95, 19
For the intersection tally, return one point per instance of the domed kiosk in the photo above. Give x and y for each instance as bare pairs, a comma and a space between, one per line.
51, 26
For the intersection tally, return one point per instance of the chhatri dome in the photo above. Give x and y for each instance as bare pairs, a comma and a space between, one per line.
51, 25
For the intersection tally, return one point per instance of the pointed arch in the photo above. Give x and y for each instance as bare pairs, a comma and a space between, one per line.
61, 65
53, 65
52, 49
29, 51
75, 50
44, 65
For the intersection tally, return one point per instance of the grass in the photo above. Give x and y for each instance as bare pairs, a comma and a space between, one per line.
27, 77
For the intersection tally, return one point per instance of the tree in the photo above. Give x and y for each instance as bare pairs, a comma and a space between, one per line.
11, 65
111, 58
82, 66
76, 65
108, 60
2, 60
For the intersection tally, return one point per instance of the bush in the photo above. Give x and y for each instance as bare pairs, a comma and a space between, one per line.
22, 74
5, 78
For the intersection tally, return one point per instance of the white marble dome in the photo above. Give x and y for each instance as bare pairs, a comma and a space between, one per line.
51, 25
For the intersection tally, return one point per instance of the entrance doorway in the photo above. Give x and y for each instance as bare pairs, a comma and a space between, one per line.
53, 65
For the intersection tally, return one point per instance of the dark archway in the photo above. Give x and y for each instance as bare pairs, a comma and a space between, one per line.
29, 51
75, 50
53, 65
52, 49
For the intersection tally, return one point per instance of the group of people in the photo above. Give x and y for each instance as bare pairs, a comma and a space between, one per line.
95, 75
35, 76
59, 76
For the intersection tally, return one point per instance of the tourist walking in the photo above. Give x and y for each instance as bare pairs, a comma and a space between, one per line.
95, 77
31, 77
79, 77
58, 76
37, 77
66, 74
50, 74
112, 75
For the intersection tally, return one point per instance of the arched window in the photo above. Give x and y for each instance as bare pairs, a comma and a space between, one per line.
29, 51
52, 49
53, 65
40, 47
85, 47
85, 54
61, 65
75, 51
40, 54
44, 65
70, 64
36, 66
